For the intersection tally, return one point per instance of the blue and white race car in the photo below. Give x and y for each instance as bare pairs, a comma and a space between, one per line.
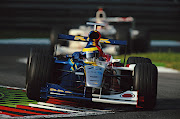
91, 74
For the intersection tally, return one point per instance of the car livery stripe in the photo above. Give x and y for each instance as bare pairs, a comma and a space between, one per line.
90, 49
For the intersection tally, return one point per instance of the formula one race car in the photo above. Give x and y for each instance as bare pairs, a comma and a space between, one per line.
91, 74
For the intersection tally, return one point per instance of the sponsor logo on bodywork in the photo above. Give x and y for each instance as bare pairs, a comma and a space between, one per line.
58, 90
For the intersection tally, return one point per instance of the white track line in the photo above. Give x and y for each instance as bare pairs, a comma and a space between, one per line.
79, 114
72, 112
73, 108
167, 70
165, 43
16, 88
22, 60
53, 108
26, 41
61, 106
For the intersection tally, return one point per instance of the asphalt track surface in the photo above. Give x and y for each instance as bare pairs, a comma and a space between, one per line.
12, 73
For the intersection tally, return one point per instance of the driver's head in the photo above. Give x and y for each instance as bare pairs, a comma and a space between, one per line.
90, 55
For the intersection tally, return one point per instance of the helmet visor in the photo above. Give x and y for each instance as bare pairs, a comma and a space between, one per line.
91, 55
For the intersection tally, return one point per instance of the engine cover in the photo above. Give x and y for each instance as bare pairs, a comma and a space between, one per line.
94, 76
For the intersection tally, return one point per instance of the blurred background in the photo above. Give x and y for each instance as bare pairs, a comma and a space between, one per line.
36, 18
26, 23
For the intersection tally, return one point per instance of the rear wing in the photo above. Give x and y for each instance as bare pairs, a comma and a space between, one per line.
115, 19
86, 39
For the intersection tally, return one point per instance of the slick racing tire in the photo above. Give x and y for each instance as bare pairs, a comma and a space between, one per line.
135, 60
145, 82
38, 74
34, 51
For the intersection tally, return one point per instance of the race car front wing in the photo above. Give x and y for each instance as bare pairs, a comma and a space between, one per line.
54, 90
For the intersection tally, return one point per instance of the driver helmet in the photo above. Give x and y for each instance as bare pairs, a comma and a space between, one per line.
91, 52
90, 55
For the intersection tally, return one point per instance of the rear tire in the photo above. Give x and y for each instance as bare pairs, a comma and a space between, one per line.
145, 82
135, 60
38, 74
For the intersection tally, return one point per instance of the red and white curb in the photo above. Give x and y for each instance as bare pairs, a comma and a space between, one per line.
50, 109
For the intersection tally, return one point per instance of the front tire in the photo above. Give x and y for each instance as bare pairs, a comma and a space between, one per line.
38, 74
33, 52
145, 82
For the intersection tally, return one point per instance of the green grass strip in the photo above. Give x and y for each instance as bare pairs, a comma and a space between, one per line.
11, 98
166, 59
